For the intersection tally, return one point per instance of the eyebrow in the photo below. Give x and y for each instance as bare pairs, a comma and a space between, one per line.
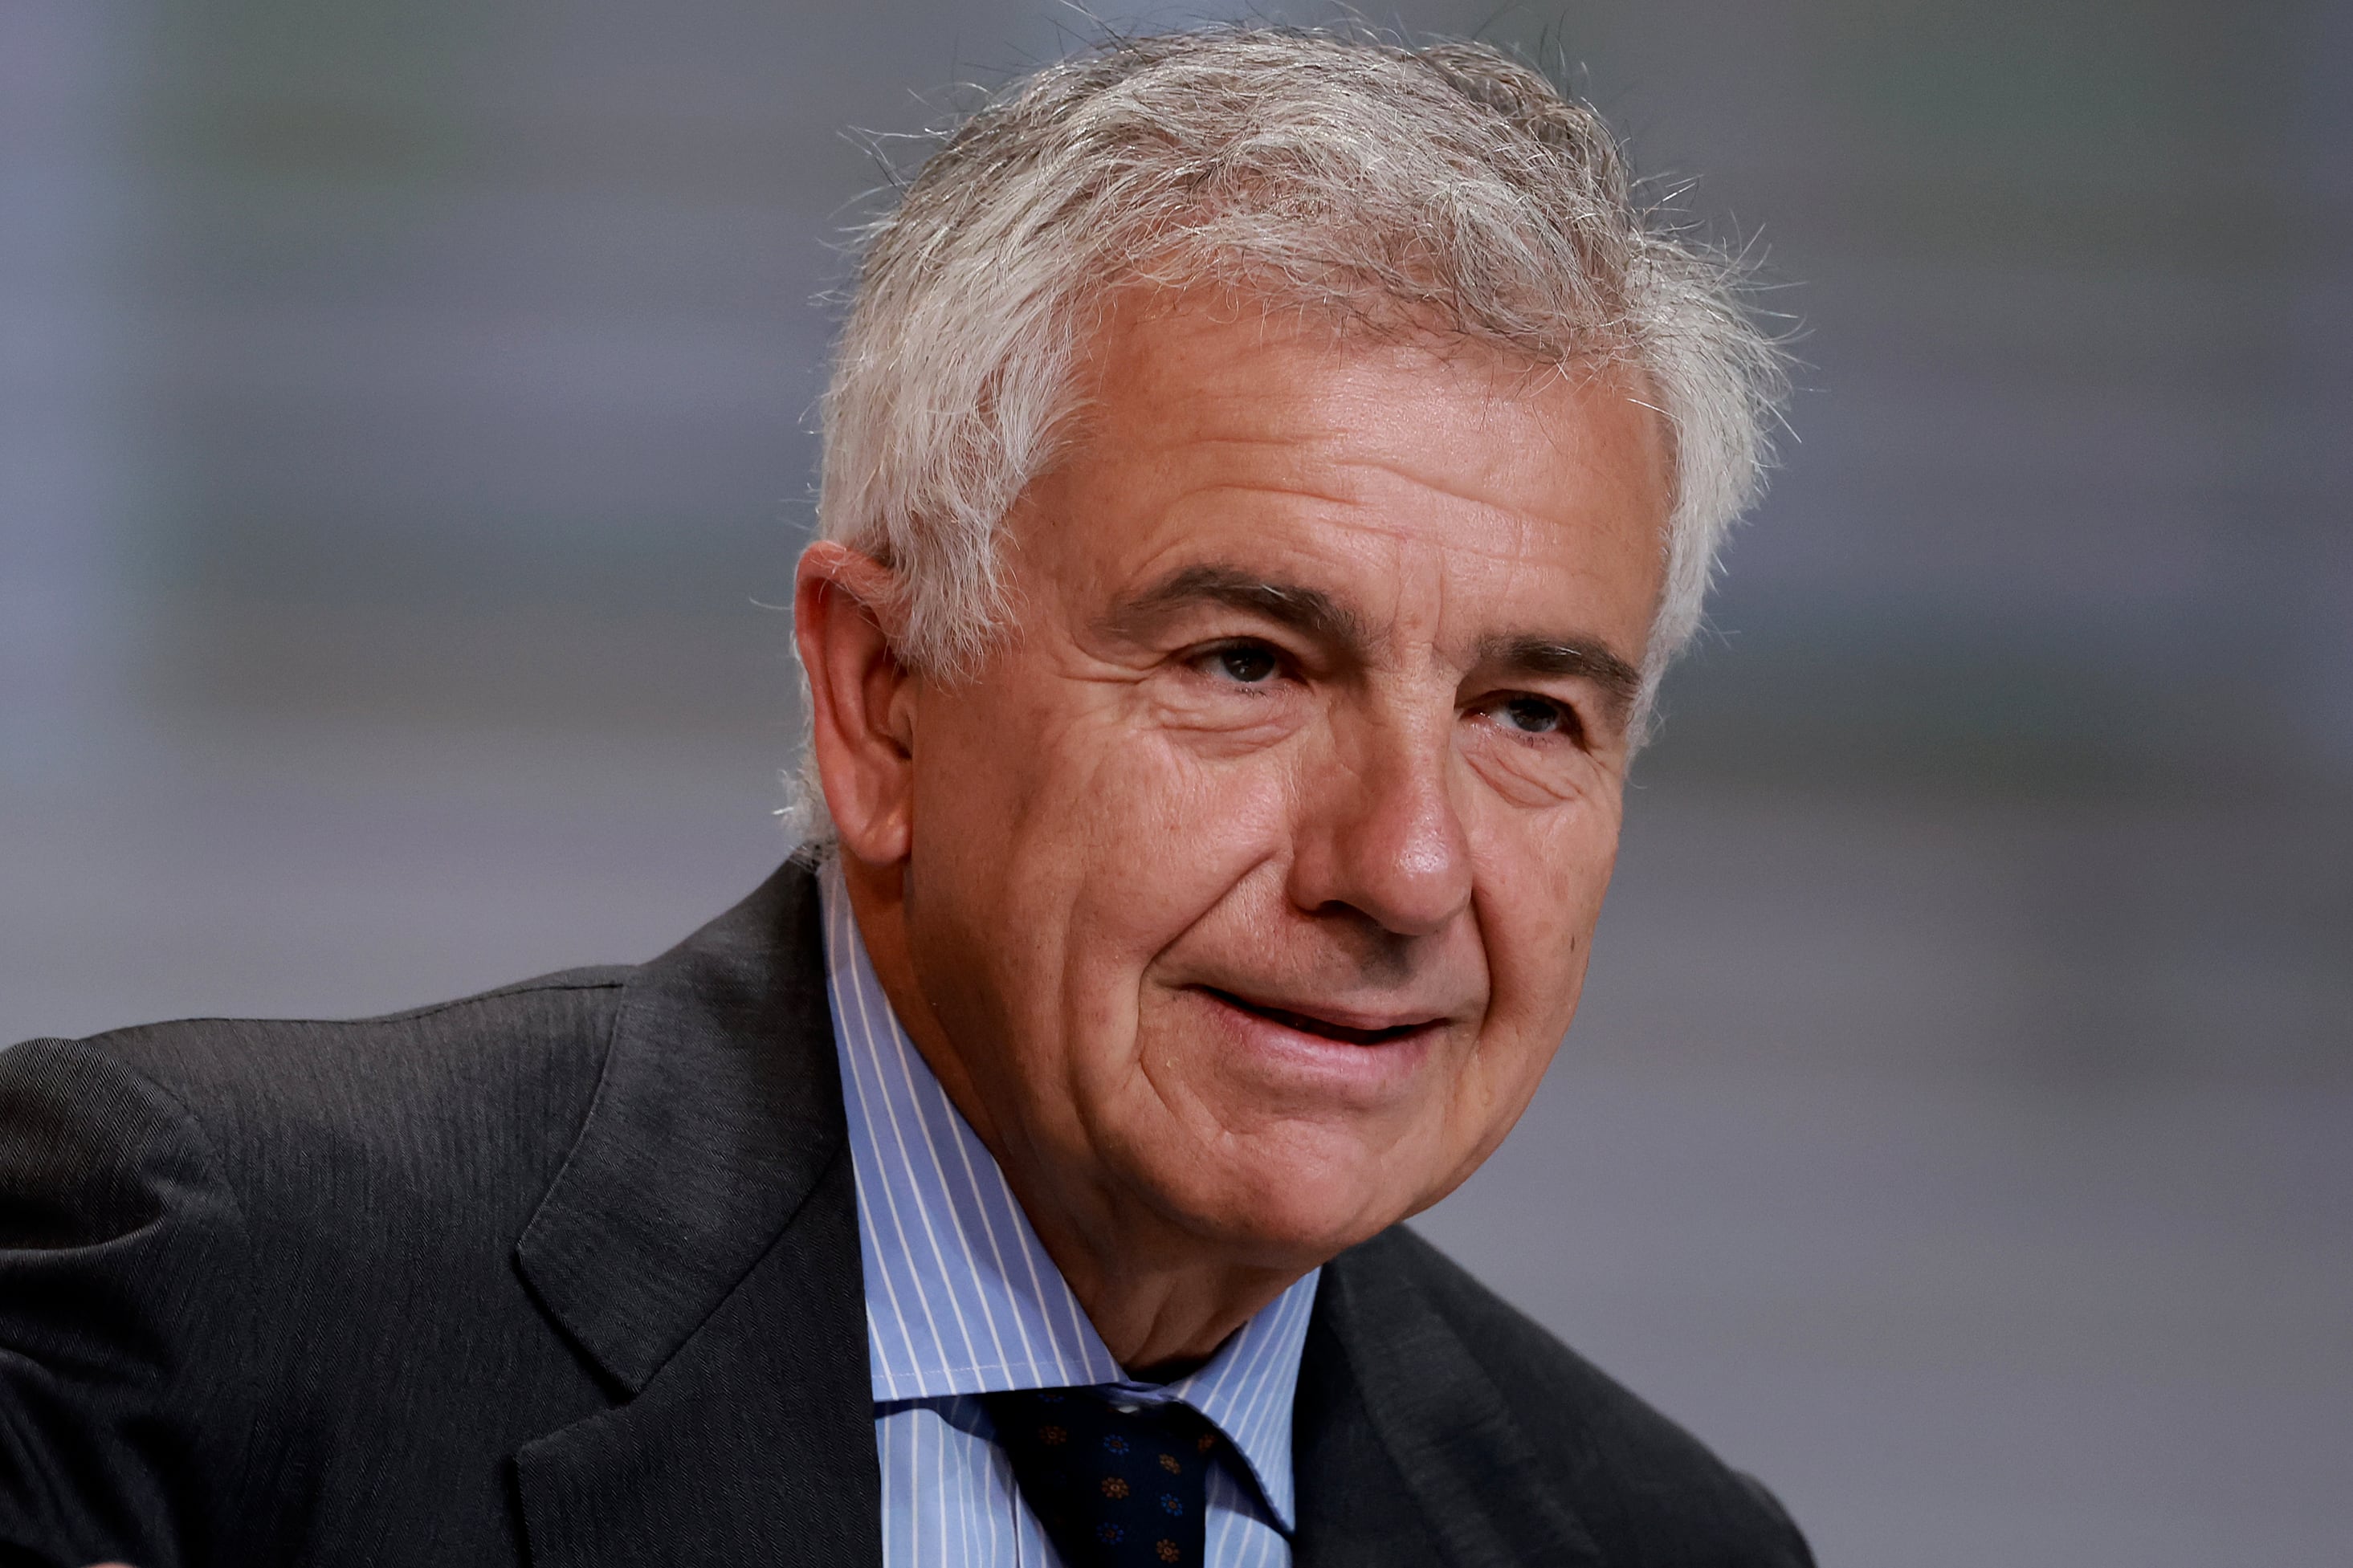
1574, 659
1309, 611
1317, 614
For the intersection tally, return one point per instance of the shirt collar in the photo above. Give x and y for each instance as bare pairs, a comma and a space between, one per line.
961, 1297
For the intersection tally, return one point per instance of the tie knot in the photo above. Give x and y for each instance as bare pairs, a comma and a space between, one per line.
1113, 1482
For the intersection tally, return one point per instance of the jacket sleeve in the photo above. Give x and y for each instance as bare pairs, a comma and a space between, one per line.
123, 1258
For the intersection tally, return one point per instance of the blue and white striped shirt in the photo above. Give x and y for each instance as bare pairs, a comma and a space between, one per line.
962, 1299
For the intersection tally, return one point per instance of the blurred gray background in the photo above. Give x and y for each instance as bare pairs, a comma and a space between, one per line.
404, 422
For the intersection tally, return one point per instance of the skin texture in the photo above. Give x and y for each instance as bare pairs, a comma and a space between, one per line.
1241, 895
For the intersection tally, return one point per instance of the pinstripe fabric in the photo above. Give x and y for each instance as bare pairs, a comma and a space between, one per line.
962, 1299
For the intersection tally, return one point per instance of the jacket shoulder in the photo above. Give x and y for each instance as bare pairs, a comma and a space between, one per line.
1646, 1490
251, 1269
551, 1025
446, 1109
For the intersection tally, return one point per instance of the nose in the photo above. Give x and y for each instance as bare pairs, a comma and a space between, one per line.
1378, 833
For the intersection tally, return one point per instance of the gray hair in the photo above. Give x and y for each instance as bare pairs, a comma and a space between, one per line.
1310, 169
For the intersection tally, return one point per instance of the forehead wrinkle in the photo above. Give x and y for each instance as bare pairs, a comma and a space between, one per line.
1301, 491
1337, 441
1368, 509
1364, 519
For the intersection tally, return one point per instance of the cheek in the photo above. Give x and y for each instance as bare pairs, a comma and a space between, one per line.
1170, 832
1540, 898
1536, 921
1105, 839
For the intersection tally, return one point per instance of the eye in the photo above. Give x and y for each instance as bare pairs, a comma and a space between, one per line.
1534, 715
1244, 663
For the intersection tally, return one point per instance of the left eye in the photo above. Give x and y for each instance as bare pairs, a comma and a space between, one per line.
1532, 715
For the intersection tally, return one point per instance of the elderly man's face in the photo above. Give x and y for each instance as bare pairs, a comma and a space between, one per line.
1252, 879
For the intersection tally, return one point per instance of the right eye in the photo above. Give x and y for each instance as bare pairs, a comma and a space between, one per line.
1245, 663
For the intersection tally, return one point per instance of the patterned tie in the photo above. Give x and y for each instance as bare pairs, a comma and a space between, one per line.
1113, 1486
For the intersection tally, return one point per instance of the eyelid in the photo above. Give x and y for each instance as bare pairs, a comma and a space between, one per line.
1573, 725
1287, 661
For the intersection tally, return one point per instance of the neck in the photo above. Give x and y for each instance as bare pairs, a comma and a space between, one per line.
1162, 1297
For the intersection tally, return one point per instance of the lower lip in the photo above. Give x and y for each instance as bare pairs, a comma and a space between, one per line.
1339, 1069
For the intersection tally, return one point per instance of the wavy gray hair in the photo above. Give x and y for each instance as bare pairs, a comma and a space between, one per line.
1310, 169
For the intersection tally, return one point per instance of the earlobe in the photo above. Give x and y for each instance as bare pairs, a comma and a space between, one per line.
861, 709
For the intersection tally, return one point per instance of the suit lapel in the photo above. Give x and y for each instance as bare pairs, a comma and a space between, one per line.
699, 1247
1403, 1448
754, 1444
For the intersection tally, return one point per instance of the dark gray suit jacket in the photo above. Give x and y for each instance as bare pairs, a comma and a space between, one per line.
568, 1274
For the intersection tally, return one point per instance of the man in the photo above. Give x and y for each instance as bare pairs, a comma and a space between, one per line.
1265, 477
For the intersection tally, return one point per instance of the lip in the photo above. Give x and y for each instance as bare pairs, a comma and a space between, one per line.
1339, 1026
1333, 1058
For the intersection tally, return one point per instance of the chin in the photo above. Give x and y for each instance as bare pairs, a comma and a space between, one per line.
1289, 1206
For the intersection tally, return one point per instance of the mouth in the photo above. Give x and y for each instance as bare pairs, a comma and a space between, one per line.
1323, 1027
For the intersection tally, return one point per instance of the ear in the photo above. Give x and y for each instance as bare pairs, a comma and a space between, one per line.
861, 698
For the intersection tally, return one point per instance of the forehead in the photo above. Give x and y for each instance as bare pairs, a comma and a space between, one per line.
1191, 362
1212, 431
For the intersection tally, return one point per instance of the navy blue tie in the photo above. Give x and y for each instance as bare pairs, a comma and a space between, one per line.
1115, 1485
